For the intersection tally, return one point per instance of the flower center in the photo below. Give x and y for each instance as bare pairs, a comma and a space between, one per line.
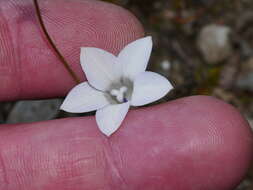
120, 94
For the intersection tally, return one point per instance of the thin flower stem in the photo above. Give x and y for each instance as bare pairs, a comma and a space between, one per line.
66, 65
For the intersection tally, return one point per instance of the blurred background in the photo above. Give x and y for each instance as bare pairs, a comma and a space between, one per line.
203, 47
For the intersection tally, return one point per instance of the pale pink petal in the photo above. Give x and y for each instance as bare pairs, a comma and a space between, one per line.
100, 67
84, 98
135, 56
149, 87
110, 117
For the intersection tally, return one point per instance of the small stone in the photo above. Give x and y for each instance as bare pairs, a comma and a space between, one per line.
245, 78
32, 111
246, 82
214, 43
230, 72
165, 64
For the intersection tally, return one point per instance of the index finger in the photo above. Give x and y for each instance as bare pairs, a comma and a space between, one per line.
29, 68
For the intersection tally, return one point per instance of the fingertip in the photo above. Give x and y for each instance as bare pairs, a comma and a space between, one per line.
192, 143
34, 70
194, 140
231, 132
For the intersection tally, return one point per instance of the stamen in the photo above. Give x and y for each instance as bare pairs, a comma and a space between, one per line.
123, 89
119, 94
114, 92
120, 97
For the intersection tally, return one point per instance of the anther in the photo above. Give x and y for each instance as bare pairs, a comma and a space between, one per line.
119, 94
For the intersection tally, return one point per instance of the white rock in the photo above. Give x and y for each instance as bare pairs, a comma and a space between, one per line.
214, 43
31, 111
165, 64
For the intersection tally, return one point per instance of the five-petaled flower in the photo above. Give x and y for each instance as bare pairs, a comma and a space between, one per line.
116, 83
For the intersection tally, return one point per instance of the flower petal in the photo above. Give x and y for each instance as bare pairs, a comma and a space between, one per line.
110, 117
135, 57
84, 98
100, 67
149, 87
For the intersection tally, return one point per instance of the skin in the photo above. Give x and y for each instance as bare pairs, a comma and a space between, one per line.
194, 143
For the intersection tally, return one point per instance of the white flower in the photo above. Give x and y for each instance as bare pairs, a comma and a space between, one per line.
116, 83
